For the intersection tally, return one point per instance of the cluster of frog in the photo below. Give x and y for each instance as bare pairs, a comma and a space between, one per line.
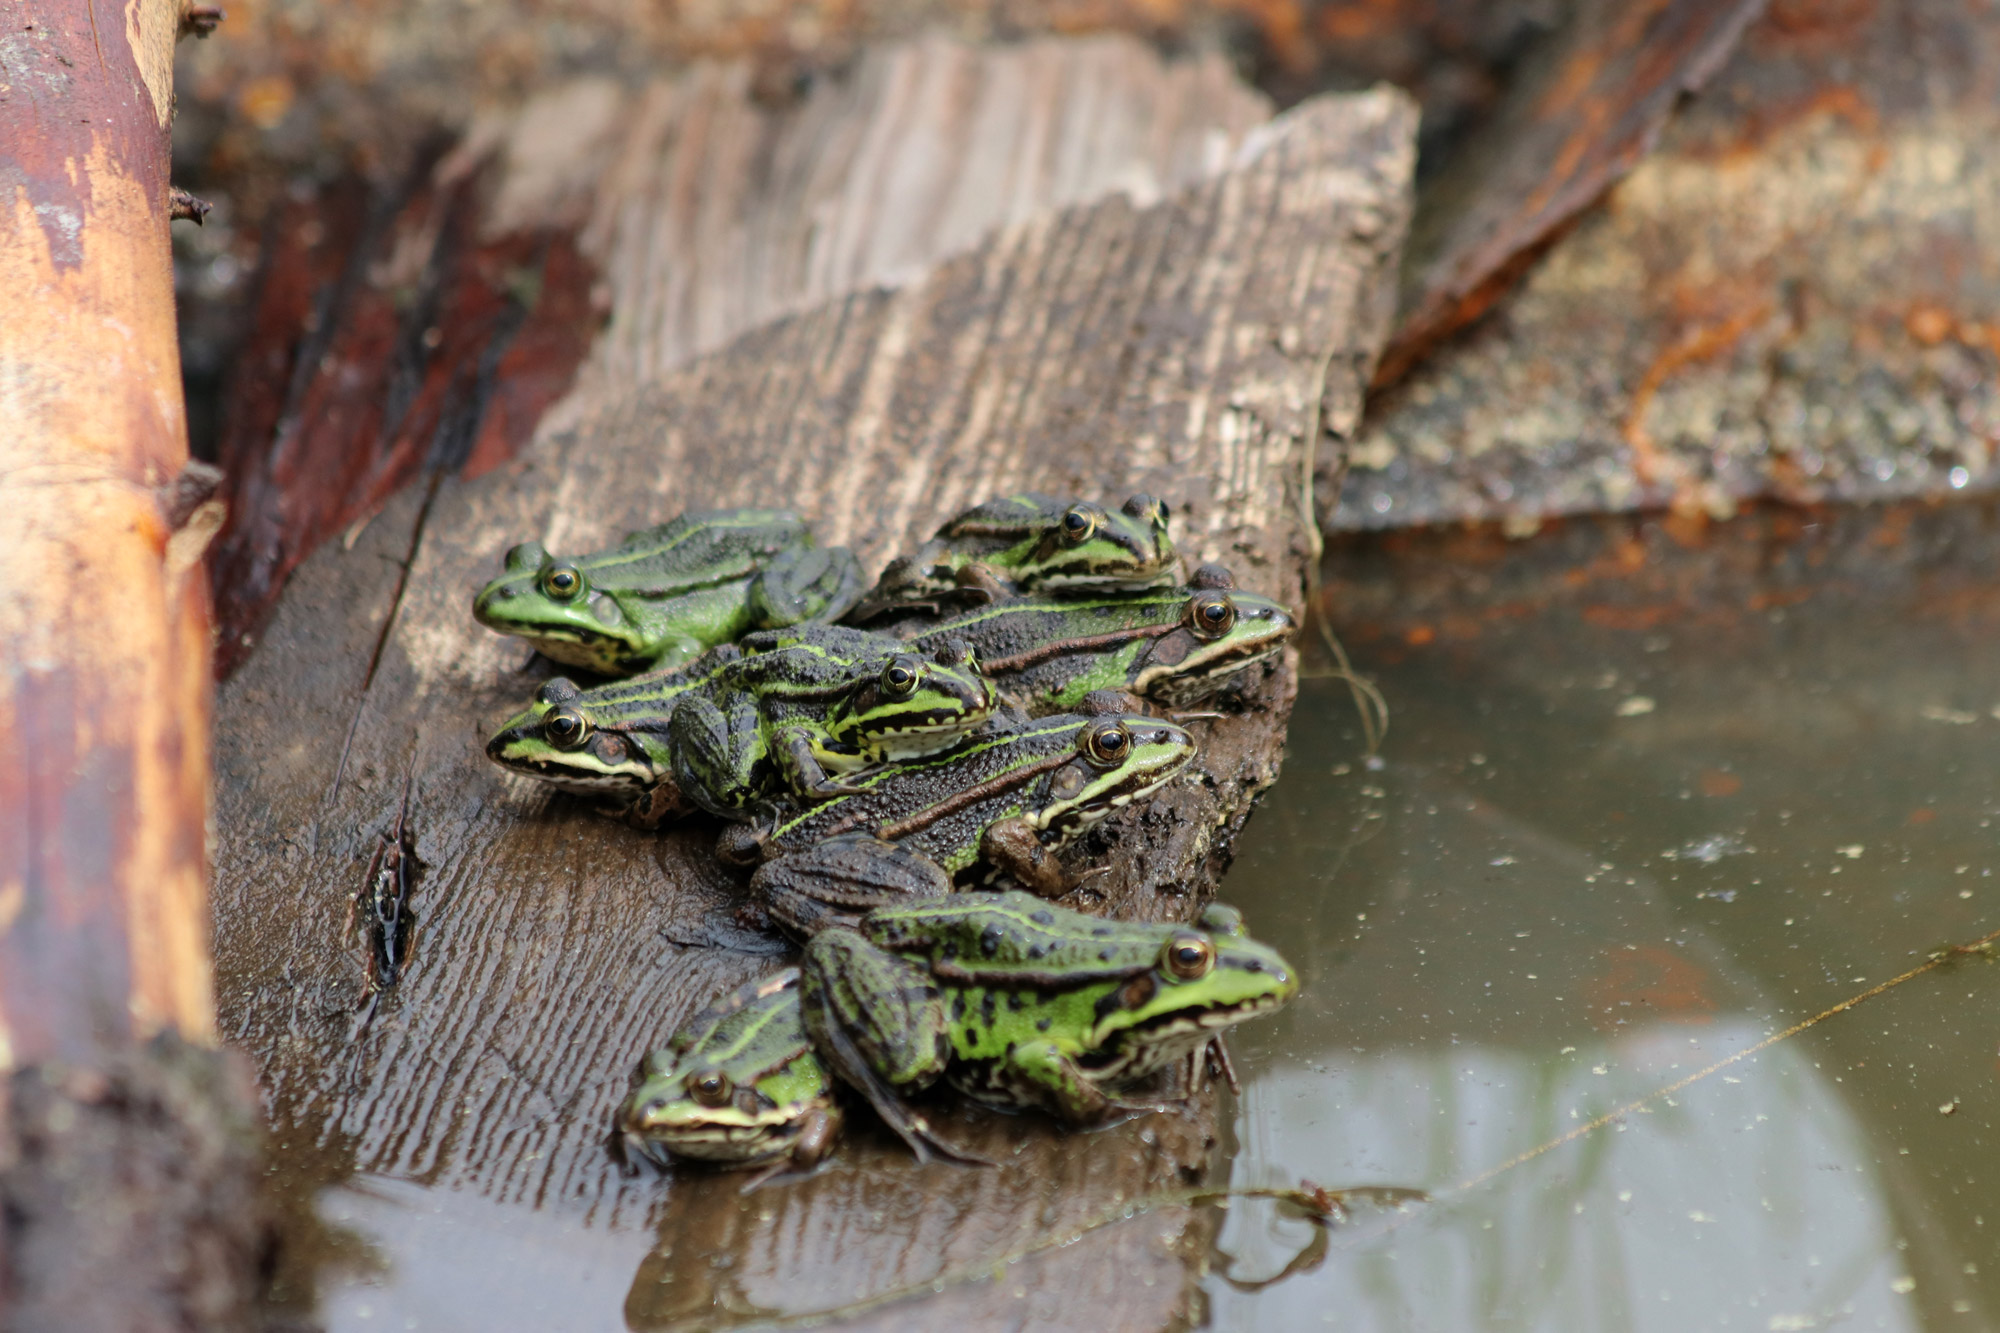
955, 725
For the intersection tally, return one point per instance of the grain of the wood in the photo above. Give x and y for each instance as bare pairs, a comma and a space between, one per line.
104, 628
426, 324
718, 214
1098, 349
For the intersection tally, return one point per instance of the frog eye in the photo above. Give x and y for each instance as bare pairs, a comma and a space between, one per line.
1080, 523
1148, 509
955, 653
710, 1087
562, 582
1107, 744
1211, 614
1188, 957
566, 728
900, 676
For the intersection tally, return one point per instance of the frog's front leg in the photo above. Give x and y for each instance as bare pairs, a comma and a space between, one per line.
800, 753
675, 650
805, 583
1013, 848
1060, 1081
980, 584
881, 1025
717, 748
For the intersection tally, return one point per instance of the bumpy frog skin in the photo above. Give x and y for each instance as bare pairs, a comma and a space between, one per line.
807, 704
665, 595
725, 732
609, 742
1004, 799
1020, 1003
1172, 645
738, 1085
1031, 542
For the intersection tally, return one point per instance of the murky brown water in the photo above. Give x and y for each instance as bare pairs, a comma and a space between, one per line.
1648, 799
1642, 806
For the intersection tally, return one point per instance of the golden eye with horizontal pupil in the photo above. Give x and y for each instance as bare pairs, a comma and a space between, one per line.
562, 582
1079, 525
566, 728
900, 676
1211, 615
1188, 957
710, 1087
1107, 744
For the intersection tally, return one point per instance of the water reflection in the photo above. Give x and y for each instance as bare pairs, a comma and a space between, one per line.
1647, 802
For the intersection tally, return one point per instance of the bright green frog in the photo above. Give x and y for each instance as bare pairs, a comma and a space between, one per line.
665, 595
1017, 1002
1173, 645
784, 710
1032, 542
1006, 798
738, 1084
803, 706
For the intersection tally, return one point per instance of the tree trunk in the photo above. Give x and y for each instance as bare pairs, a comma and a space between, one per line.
104, 708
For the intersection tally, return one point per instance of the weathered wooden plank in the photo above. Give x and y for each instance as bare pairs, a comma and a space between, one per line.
425, 322
1178, 347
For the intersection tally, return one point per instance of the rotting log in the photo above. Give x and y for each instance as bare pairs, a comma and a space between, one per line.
1792, 298
126, 1153
1179, 347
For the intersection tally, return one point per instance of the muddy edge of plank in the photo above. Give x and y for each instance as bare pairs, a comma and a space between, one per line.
1175, 348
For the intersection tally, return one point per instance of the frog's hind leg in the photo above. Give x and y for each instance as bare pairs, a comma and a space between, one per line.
881, 1025
805, 584
800, 758
717, 748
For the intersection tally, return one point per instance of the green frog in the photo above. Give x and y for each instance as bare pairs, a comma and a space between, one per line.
1031, 542
785, 708
608, 742
1005, 799
1173, 645
665, 595
738, 1084
805, 706
1017, 1002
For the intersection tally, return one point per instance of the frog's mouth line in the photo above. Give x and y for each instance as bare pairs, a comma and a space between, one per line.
1176, 686
1079, 817
565, 778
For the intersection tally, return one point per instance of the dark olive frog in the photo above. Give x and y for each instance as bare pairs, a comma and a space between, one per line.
783, 711
1003, 800
1172, 645
1032, 542
737, 1085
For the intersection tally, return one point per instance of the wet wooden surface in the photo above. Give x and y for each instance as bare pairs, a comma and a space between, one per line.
1179, 348
422, 319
